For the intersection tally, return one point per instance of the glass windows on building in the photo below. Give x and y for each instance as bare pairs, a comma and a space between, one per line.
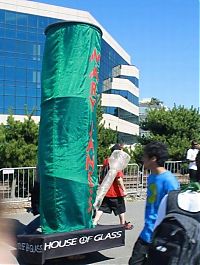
124, 93
129, 139
122, 114
133, 79
127, 116
21, 49
22, 20
109, 59
10, 18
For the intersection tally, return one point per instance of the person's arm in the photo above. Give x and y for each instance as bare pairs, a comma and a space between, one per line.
121, 184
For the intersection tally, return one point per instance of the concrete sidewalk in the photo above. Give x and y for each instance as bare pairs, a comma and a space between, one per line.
117, 256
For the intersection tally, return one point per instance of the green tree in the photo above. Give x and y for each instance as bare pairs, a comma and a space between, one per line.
136, 154
176, 127
18, 143
155, 102
106, 137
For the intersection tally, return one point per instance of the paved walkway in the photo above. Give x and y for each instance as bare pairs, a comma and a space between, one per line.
117, 256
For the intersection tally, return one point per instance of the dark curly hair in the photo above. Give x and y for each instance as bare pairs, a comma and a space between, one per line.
157, 149
116, 147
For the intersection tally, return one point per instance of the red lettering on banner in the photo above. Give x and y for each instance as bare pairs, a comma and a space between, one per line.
89, 163
94, 76
90, 207
90, 145
94, 73
92, 101
90, 167
91, 185
95, 56
93, 88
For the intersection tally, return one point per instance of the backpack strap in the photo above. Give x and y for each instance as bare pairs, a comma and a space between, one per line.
172, 205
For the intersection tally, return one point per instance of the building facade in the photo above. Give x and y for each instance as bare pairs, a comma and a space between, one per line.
145, 105
120, 102
22, 38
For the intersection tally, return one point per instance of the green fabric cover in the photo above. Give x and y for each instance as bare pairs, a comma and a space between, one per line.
67, 156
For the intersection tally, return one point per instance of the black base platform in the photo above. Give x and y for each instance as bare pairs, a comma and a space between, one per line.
36, 248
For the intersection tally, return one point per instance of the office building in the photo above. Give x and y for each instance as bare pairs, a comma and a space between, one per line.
22, 38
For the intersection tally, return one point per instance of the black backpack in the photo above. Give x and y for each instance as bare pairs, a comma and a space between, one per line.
176, 240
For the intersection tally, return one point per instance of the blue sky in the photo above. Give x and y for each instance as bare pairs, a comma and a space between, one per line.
162, 38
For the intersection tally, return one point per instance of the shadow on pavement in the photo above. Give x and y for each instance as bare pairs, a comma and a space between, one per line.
15, 227
90, 258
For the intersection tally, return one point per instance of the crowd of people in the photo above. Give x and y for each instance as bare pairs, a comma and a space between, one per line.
164, 197
164, 200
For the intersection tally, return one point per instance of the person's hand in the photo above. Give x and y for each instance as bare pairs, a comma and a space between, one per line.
125, 193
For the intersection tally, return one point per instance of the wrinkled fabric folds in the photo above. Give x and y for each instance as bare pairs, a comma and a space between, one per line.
67, 156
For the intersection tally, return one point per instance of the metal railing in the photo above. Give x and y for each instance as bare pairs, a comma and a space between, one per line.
134, 180
16, 183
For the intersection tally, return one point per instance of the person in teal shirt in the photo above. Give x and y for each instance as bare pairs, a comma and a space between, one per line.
159, 183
